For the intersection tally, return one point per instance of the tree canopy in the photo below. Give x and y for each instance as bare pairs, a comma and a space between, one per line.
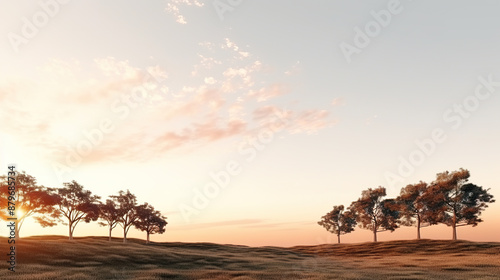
127, 210
77, 204
413, 205
72, 204
456, 202
450, 199
109, 213
32, 200
375, 213
338, 221
150, 220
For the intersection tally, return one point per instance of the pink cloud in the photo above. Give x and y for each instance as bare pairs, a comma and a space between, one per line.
223, 103
265, 94
113, 67
266, 112
200, 133
310, 121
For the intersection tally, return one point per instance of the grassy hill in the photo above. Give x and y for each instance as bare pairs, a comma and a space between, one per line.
54, 257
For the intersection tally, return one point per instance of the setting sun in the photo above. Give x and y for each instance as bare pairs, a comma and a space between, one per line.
20, 213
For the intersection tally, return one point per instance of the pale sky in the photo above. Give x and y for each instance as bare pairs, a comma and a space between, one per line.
305, 103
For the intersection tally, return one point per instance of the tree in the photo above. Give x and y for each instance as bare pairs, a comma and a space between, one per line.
127, 210
338, 221
414, 206
150, 220
455, 202
31, 199
108, 212
77, 205
374, 213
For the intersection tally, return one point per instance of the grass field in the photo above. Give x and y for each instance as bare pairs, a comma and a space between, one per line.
54, 257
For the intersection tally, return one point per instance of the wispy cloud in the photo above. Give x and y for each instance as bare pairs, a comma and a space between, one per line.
239, 54
267, 93
147, 113
173, 7
305, 121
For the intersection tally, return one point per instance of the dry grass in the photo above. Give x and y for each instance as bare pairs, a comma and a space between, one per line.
54, 257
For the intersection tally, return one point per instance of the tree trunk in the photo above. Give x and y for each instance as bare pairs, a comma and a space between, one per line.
454, 225
17, 230
124, 235
418, 227
338, 238
375, 235
454, 231
110, 229
147, 242
70, 231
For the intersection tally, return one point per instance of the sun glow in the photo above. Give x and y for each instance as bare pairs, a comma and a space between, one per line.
20, 213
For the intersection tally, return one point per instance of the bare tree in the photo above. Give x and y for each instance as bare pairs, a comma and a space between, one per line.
455, 202
374, 213
338, 221
108, 212
150, 220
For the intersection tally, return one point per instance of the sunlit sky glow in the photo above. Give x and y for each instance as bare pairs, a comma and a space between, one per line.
264, 88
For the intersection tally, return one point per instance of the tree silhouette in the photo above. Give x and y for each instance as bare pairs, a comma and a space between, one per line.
374, 213
414, 206
127, 210
455, 202
31, 199
77, 205
338, 221
108, 212
150, 220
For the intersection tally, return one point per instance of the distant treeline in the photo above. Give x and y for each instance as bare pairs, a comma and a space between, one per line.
450, 200
72, 204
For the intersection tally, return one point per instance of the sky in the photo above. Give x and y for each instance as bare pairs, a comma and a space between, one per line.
243, 121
